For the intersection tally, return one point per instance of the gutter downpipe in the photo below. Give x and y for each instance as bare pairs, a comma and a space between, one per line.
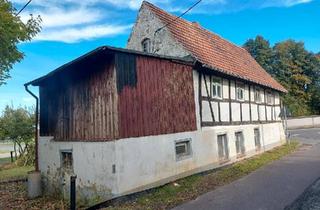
36, 126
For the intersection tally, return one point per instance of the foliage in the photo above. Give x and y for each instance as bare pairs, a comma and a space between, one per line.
295, 68
191, 187
17, 125
12, 32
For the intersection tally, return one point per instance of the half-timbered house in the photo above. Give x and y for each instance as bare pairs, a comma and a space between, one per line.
178, 101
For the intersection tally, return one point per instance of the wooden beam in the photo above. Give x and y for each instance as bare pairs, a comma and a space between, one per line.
230, 108
210, 105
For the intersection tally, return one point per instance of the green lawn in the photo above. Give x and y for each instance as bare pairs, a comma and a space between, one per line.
191, 187
4, 161
11, 171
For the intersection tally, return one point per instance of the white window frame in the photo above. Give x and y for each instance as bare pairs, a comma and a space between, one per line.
240, 87
188, 150
216, 86
240, 143
257, 91
223, 153
145, 48
270, 98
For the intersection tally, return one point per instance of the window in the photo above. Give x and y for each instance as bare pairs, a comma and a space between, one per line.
183, 149
66, 160
216, 88
223, 149
269, 98
257, 95
240, 91
146, 45
257, 138
240, 148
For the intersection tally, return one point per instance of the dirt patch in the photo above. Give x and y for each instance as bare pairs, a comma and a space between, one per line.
14, 196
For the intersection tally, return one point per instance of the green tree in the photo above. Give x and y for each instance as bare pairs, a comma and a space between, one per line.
12, 32
295, 68
17, 125
261, 51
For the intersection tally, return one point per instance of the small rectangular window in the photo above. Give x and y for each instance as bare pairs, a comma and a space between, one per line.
240, 91
216, 87
146, 45
223, 149
240, 148
183, 149
269, 98
257, 95
66, 160
257, 138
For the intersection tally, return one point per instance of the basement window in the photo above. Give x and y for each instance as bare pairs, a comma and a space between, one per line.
183, 149
240, 92
66, 159
257, 141
216, 87
223, 148
146, 45
240, 148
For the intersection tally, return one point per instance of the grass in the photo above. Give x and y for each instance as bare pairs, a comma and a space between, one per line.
9, 170
191, 187
4, 161
4, 151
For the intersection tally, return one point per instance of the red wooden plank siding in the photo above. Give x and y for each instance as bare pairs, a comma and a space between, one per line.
162, 101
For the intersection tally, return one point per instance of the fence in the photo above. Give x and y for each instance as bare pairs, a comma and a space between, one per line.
304, 122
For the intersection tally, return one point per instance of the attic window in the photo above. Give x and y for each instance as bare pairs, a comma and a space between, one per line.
146, 45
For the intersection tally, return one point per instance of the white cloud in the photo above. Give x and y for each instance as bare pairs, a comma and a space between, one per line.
283, 3
71, 35
55, 17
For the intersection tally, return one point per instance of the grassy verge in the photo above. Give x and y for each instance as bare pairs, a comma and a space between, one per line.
9, 170
4, 161
189, 188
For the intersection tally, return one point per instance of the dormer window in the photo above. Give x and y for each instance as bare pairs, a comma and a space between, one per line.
146, 45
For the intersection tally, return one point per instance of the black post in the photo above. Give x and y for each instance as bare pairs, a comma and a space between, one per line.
11, 155
73, 192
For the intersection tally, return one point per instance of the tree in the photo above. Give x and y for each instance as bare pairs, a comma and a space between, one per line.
261, 51
12, 32
295, 68
17, 125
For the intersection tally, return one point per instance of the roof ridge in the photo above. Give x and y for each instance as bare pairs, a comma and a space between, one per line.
192, 24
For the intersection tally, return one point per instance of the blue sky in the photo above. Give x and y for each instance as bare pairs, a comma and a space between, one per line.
73, 27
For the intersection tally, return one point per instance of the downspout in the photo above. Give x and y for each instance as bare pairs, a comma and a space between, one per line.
36, 136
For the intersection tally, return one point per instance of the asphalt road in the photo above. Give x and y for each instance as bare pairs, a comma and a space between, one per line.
271, 187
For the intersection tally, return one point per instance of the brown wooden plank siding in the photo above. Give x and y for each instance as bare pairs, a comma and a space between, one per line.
162, 101
82, 110
87, 106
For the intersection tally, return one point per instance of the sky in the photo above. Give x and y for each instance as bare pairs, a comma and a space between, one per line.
71, 28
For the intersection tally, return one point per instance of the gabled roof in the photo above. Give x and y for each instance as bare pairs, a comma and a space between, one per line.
215, 52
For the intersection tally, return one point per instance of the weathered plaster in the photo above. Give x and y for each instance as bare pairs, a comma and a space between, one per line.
162, 42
